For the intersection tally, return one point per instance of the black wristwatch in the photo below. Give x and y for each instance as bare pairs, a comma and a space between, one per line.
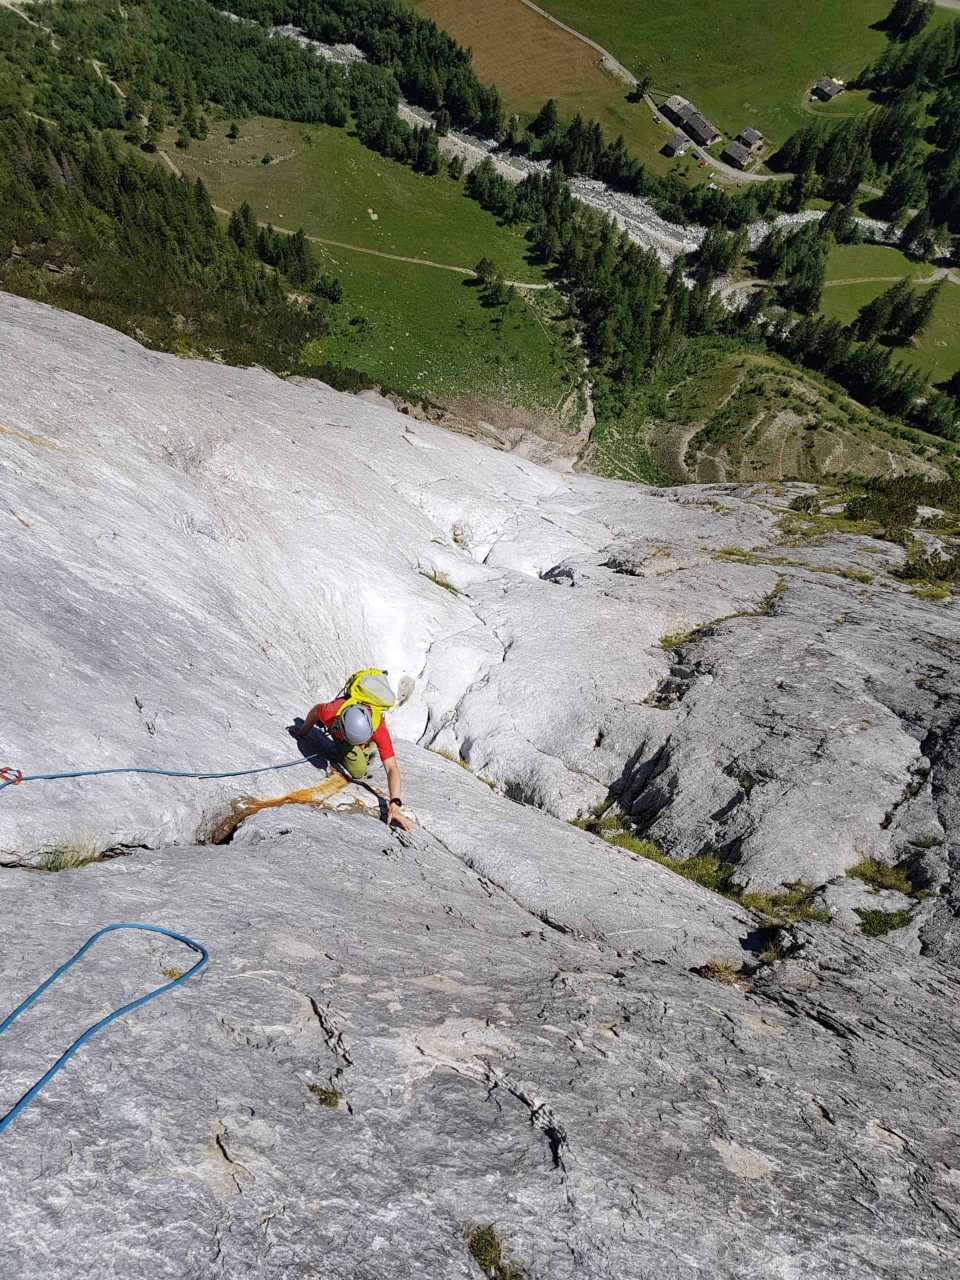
397, 801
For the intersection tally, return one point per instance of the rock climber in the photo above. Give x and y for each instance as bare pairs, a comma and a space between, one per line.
355, 725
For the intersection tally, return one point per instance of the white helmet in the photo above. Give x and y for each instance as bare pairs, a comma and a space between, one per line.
356, 724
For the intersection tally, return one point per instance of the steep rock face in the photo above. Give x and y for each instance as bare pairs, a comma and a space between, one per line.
516, 1023
198, 553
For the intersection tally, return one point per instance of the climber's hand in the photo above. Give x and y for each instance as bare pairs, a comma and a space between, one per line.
296, 730
397, 819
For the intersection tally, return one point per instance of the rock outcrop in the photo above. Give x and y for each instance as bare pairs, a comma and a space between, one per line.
498, 1018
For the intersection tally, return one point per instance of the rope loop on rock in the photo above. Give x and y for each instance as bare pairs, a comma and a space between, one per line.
11, 777
91, 1031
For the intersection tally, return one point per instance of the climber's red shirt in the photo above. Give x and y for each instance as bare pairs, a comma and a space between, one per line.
327, 713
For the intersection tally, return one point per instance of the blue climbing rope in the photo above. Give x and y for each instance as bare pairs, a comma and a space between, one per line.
68, 1053
10, 777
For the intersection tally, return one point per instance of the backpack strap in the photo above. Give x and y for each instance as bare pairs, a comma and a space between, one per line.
354, 692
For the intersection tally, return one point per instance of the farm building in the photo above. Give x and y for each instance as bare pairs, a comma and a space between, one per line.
736, 153
751, 138
700, 129
677, 145
827, 89
677, 109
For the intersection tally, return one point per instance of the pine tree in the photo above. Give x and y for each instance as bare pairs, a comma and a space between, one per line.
919, 314
907, 18
751, 311
719, 250
907, 188
918, 20
546, 120
800, 190
769, 254
918, 236
839, 221
879, 316
802, 288
894, 132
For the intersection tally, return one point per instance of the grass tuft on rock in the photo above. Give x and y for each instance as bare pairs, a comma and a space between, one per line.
325, 1096
791, 906
876, 923
766, 607
674, 639
70, 856
705, 869
938, 593
486, 1249
440, 580
720, 971
881, 876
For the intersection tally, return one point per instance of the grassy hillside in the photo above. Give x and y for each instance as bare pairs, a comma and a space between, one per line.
735, 416
326, 181
742, 61
936, 352
530, 60
427, 333
415, 328
871, 261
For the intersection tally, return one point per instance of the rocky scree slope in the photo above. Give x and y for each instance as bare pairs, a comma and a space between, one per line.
513, 1021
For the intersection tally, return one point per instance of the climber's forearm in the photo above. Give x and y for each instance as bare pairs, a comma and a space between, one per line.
312, 718
392, 770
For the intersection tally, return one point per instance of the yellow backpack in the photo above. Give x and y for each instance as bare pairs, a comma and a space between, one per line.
371, 687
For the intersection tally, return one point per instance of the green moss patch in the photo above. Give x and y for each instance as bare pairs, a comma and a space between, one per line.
876, 923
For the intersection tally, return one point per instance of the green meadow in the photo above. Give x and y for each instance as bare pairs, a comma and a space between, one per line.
869, 271
427, 333
418, 329
741, 61
864, 262
326, 181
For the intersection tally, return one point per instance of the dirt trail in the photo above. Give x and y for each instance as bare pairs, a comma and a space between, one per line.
941, 273
174, 168
102, 75
391, 257
609, 62
15, 8
669, 449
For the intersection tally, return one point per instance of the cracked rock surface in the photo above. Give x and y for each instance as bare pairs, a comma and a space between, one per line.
515, 1023
614, 1114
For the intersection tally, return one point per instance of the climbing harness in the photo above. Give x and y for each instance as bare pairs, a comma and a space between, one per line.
110, 1017
10, 777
